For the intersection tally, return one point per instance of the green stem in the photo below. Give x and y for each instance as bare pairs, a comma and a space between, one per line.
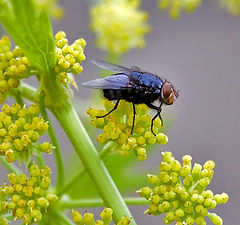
61, 216
73, 127
97, 202
29, 92
53, 138
11, 167
40, 160
82, 171
18, 97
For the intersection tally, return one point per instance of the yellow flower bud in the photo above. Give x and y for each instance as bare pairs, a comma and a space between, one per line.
43, 202
46, 147
77, 217
88, 218
60, 34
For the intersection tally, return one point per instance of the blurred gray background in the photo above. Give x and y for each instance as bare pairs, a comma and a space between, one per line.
200, 55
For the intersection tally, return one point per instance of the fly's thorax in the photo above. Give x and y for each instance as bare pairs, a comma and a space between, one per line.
168, 93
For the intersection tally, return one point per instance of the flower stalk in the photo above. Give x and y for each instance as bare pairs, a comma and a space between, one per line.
60, 216
82, 171
11, 167
52, 135
96, 202
73, 127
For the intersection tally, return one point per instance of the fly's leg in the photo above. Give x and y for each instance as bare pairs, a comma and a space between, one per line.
160, 119
152, 122
159, 109
134, 114
114, 108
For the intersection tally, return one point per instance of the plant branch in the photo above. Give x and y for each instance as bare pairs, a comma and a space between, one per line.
61, 216
53, 138
29, 92
40, 160
68, 118
73, 127
11, 167
17, 95
82, 171
97, 202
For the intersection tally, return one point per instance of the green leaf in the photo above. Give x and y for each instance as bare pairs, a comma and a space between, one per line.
31, 30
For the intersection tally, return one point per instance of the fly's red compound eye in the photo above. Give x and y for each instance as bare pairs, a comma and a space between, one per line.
168, 93
167, 90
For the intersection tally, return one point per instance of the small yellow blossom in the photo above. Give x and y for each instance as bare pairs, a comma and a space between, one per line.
20, 129
179, 192
54, 9
14, 66
26, 198
176, 6
232, 6
117, 128
88, 218
68, 57
119, 25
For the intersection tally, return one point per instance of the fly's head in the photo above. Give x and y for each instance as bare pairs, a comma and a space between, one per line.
168, 93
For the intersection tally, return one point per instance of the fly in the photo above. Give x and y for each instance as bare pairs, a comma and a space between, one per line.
136, 86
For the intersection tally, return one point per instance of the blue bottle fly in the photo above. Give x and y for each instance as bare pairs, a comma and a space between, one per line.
136, 86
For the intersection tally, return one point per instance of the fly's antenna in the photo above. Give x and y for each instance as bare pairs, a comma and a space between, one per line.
176, 93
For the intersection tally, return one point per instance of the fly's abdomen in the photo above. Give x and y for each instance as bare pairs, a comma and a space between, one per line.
130, 95
112, 94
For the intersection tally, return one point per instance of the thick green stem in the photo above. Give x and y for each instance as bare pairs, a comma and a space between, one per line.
53, 138
11, 167
73, 127
97, 202
82, 171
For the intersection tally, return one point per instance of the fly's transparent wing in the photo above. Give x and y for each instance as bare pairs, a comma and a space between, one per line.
112, 67
111, 82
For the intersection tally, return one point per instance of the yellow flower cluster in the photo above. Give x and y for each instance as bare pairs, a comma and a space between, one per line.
117, 128
88, 218
20, 129
119, 25
52, 5
3, 221
13, 67
232, 6
69, 57
27, 198
179, 192
175, 6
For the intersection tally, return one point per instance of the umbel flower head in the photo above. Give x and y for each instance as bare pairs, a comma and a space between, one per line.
27, 198
69, 58
54, 9
232, 6
179, 192
117, 128
119, 25
14, 66
106, 218
176, 6
20, 129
